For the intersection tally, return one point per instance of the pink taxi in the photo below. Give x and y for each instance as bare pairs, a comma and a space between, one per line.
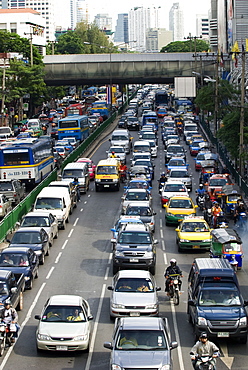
91, 166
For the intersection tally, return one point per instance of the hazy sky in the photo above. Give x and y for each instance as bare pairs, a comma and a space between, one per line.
114, 7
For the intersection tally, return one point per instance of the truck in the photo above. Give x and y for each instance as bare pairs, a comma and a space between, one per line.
12, 286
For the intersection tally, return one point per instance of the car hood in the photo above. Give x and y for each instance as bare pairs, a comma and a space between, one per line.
139, 299
146, 219
195, 236
17, 269
221, 313
136, 358
170, 194
62, 329
35, 247
180, 211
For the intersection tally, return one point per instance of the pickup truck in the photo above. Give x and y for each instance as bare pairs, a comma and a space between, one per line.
11, 288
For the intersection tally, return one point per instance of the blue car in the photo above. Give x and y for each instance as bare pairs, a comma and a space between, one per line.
21, 260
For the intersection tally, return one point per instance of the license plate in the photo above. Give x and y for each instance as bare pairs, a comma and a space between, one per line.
134, 314
134, 260
106, 186
196, 247
61, 348
223, 335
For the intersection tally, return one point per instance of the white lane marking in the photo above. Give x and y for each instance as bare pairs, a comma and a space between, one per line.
161, 233
179, 349
160, 210
165, 259
110, 258
69, 235
50, 272
93, 337
88, 195
63, 246
23, 324
58, 257
76, 221
107, 273
163, 245
160, 222
81, 210
85, 202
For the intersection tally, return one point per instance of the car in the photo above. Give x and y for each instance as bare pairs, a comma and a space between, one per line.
177, 208
138, 183
72, 141
5, 205
202, 156
181, 175
133, 123
196, 137
119, 152
65, 144
171, 139
217, 182
141, 172
61, 150
133, 293
135, 247
42, 219
21, 261
174, 150
161, 112
71, 187
91, 166
176, 162
173, 188
144, 155
135, 195
35, 238
151, 346
64, 324
13, 190
193, 233
143, 210
194, 147
123, 220
189, 136
148, 135
145, 163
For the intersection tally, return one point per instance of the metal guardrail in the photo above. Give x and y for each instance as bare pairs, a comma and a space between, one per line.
7, 225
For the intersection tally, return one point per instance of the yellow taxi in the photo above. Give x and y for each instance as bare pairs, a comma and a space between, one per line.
177, 208
193, 233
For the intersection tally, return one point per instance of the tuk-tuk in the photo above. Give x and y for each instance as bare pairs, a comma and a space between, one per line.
231, 194
207, 170
226, 243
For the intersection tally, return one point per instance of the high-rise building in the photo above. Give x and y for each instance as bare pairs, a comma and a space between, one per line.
202, 26
156, 38
121, 29
78, 12
138, 22
103, 21
44, 7
176, 22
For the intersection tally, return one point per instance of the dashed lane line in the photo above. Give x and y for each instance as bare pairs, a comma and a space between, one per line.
161, 233
50, 272
107, 273
76, 221
163, 245
58, 257
64, 245
179, 349
69, 235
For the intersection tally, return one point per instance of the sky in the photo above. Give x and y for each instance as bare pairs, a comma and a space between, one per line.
114, 7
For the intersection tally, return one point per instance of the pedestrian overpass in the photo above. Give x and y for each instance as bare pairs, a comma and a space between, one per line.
125, 68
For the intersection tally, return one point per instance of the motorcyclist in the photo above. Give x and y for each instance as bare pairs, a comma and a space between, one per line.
208, 204
200, 192
123, 170
76, 186
240, 208
161, 181
9, 316
172, 269
113, 155
216, 210
221, 220
203, 347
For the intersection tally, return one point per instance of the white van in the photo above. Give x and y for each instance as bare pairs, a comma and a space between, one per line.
5, 132
57, 201
80, 171
121, 138
141, 146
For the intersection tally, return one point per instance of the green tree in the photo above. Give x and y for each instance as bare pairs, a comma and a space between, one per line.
69, 43
185, 46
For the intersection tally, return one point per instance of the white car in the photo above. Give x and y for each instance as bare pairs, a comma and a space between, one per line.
64, 324
42, 219
5, 205
135, 195
173, 188
119, 152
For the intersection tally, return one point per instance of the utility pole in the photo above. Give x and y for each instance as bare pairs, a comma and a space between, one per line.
216, 95
242, 117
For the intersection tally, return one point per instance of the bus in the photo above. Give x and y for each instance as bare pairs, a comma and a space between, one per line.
29, 161
161, 98
75, 110
76, 126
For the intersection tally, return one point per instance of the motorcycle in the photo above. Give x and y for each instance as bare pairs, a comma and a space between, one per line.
161, 184
241, 222
6, 336
201, 201
174, 288
123, 175
204, 362
220, 222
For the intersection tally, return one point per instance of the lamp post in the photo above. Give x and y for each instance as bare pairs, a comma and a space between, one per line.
3, 56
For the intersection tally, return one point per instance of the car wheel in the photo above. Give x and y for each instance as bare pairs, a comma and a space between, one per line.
37, 274
42, 259
38, 350
30, 284
96, 188
166, 223
115, 270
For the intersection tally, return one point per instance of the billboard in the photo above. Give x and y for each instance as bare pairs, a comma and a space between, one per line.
185, 87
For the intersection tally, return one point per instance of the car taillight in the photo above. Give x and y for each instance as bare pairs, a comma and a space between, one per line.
29, 174
14, 194
4, 175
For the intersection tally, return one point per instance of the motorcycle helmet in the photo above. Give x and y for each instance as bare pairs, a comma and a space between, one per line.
203, 335
7, 303
162, 174
173, 261
201, 186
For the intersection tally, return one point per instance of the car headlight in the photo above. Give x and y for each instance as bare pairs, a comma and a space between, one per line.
202, 321
165, 367
151, 307
119, 254
243, 321
116, 305
206, 240
43, 337
97, 180
38, 253
148, 255
115, 180
27, 278
184, 241
81, 337
170, 214
116, 367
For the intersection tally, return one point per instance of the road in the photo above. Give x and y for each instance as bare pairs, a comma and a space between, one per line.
80, 263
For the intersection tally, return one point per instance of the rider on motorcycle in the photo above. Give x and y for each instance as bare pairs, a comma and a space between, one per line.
221, 220
204, 347
9, 316
238, 210
216, 210
161, 181
172, 269
123, 170
200, 192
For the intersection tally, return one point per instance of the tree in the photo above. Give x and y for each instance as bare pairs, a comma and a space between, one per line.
185, 46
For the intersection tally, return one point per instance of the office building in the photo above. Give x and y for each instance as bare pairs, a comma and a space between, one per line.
78, 12
156, 38
176, 22
121, 29
103, 21
202, 26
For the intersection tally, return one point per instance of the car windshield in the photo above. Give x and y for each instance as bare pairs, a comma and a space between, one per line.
17, 259
6, 186
107, 170
179, 174
132, 237
49, 203
136, 340
136, 196
134, 285
63, 314
142, 162
35, 221
200, 157
26, 238
176, 162
217, 182
72, 173
174, 149
138, 211
219, 297
199, 227
180, 203
174, 187
119, 137
149, 136
117, 150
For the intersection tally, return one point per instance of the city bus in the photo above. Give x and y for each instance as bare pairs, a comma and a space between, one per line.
75, 110
76, 126
29, 161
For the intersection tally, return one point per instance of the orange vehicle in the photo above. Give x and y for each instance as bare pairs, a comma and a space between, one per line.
217, 182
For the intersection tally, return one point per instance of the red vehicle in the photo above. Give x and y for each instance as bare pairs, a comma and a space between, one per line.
91, 166
217, 182
75, 110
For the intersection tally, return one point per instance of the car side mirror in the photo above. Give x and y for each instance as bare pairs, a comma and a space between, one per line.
158, 288
90, 317
110, 287
154, 213
13, 290
177, 229
191, 303
245, 303
107, 345
173, 345
37, 317
17, 224
155, 241
113, 240
113, 229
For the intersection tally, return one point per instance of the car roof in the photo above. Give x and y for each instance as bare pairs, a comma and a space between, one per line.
181, 197
134, 227
137, 190
141, 323
134, 274
65, 300
37, 214
142, 203
16, 250
29, 229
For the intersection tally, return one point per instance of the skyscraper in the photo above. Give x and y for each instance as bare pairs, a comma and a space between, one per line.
78, 12
121, 29
176, 22
202, 26
138, 22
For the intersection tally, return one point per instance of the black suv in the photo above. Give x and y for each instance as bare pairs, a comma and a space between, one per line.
135, 248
